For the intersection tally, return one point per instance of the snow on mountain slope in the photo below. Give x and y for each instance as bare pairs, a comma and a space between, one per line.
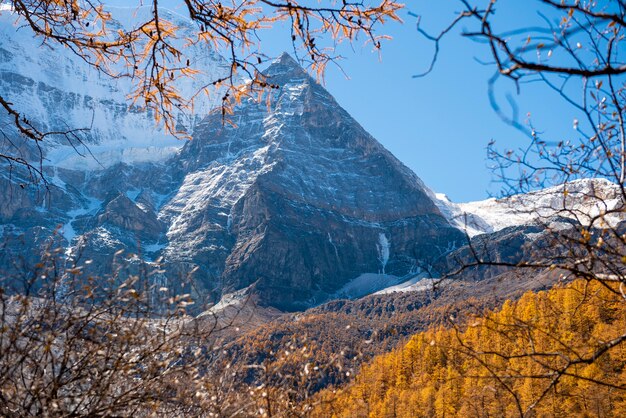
581, 200
58, 91
419, 283
366, 284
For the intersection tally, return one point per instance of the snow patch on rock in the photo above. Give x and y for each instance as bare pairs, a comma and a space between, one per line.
415, 284
366, 284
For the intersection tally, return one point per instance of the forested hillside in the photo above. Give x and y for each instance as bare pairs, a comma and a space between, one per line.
552, 353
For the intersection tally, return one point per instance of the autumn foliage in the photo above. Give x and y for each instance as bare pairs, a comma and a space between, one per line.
554, 353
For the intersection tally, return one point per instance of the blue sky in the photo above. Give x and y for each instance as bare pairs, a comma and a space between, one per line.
438, 125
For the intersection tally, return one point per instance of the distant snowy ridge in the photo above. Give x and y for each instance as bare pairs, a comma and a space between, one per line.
579, 199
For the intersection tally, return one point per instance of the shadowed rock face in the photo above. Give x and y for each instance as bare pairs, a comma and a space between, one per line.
298, 200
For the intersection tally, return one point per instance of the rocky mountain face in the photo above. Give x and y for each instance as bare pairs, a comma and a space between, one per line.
296, 200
